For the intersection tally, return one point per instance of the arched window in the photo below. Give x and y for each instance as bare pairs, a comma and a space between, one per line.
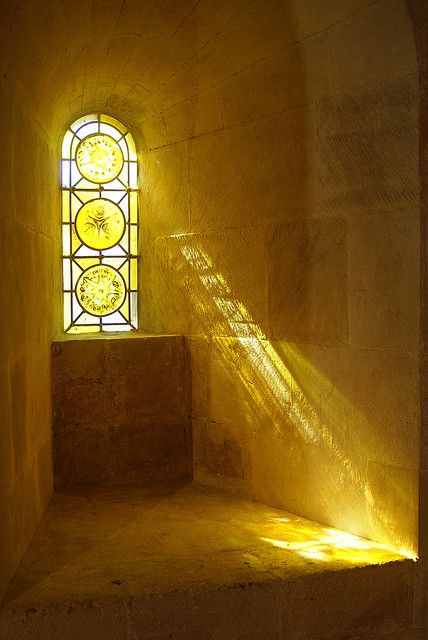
99, 226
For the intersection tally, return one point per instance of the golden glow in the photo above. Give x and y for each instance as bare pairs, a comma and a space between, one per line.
276, 386
100, 224
99, 158
325, 544
261, 363
101, 290
99, 178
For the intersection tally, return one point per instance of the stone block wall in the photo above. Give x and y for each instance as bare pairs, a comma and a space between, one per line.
281, 216
280, 232
28, 173
121, 411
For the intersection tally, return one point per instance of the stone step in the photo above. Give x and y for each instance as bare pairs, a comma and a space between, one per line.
187, 562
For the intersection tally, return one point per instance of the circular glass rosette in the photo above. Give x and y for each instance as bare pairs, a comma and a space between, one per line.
99, 158
100, 224
101, 290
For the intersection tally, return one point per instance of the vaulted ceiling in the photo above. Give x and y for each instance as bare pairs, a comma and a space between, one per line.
146, 60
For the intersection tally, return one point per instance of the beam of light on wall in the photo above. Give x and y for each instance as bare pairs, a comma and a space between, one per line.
266, 375
278, 387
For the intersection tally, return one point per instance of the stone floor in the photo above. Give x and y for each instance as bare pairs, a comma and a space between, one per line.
187, 562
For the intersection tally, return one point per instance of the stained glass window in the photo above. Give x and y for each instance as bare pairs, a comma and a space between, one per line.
99, 226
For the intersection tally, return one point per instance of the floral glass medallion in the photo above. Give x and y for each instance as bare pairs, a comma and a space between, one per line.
100, 224
101, 290
99, 158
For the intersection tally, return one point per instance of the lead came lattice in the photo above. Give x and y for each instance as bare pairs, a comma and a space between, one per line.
99, 226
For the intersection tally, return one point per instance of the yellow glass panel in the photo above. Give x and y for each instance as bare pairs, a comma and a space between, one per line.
66, 145
85, 263
76, 204
133, 210
125, 242
101, 290
75, 242
116, 263
124, 270
80, 265
134, 274
133, 237
115, 123
100, 224
65, 206
66, 239
131, 147
85, 196
99, 158
124, 312
67, 310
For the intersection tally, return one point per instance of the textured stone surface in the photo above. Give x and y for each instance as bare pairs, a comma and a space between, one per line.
307, 260
26, 287
120, 410
419, 13
248, 115
392, 319
311, 340
358, 57
292, 428
368, 148
188, 562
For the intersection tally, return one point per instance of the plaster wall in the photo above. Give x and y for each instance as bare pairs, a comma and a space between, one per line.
26, 285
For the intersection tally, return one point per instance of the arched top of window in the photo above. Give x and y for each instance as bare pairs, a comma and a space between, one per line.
99, 226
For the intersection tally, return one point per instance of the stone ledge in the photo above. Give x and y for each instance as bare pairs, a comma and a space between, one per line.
121, 411
186, 562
